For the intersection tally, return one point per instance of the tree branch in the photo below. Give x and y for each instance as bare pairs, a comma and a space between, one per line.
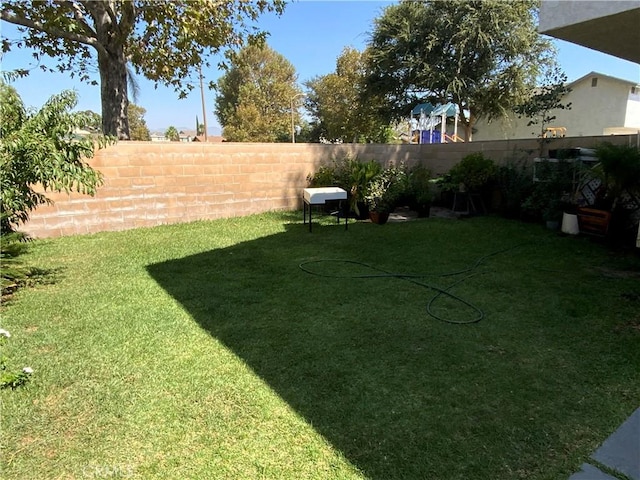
79, 17
128, 18
35, 25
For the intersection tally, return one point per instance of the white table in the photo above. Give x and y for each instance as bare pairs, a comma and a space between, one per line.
319, 196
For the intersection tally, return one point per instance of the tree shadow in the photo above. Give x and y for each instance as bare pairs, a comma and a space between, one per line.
396, 392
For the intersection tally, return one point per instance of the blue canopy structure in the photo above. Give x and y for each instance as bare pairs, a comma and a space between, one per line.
425, 117
448, 109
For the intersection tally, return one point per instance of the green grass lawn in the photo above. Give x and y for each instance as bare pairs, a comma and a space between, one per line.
203, 351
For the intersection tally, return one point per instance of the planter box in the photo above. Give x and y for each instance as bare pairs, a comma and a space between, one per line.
594, 221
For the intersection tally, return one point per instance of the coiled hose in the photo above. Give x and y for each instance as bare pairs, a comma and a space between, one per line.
414, 278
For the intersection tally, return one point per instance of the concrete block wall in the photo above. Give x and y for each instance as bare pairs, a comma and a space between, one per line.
153, 183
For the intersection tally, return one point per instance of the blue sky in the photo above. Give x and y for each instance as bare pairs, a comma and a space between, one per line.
310, 34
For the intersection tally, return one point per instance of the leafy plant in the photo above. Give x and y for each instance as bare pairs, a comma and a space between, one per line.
40, 149
550, 192
474, 171
515, 182
619, 168
419, 189
544, 100
384, 190
348, 173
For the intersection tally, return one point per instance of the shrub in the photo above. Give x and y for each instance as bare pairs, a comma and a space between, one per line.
474, 171
386, 188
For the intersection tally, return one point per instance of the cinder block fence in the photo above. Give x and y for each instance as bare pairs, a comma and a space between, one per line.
148, 183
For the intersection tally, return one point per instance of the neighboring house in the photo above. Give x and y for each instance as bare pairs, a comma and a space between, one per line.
210, 139
158, 137
600, 105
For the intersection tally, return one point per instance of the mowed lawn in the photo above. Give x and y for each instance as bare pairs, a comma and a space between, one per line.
204, 351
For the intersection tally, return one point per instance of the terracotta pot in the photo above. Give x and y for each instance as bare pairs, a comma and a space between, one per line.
379, 217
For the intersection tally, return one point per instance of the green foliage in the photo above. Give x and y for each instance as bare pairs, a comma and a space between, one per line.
39, 152
257, 97
172, 134
544, 100
474, 171
137, 124
482, 56
94, 121
340, 110
164, 41
551, 192
514, 179
385, 189
619, 168
10, 378
419, 185
348, 173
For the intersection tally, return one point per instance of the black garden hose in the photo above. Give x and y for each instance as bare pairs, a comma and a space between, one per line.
413, 278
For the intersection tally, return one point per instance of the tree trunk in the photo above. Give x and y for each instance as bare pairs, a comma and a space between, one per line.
113, 92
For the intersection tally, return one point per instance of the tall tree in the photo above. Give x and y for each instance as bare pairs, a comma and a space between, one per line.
544, 102
256, 96
93, 122
164, 41
483, 56
39, 150
137, 123
339, 109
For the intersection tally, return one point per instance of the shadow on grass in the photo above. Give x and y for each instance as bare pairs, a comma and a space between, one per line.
399, 394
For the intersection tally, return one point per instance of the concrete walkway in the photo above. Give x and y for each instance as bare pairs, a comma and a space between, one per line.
620, 453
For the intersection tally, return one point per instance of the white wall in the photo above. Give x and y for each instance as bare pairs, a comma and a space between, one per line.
594, 111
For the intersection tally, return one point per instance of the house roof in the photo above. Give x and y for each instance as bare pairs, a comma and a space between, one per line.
210, 138
596, 74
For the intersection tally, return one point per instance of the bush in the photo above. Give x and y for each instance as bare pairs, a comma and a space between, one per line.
419, 189
385, 190
515, 183
350, 174
42, 149
474, 171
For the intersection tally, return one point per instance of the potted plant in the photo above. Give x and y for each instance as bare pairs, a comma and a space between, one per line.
350, 174
473, 172
472, 175
619, 170
383, 192
419, 191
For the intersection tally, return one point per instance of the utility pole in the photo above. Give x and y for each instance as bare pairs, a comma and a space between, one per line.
204, 109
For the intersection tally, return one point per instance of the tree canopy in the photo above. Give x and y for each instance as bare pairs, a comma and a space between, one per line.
164, 41
137, 124
41, 149
339, 108
257, 97
172, 134
482, 55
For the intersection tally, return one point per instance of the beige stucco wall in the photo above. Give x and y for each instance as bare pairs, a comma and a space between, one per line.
603, 109
153, 183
